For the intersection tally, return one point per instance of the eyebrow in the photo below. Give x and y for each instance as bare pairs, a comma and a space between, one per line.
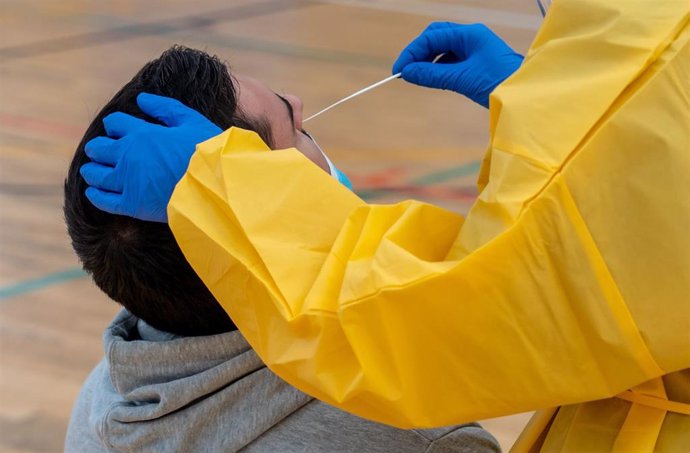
289, 108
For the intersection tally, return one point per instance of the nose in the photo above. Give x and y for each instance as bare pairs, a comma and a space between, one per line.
297, 109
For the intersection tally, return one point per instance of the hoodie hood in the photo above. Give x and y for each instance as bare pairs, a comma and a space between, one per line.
168, 393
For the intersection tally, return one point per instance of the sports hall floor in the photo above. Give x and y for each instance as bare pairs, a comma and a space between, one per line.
60, 60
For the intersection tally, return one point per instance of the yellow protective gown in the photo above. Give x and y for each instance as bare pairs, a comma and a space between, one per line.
568, 282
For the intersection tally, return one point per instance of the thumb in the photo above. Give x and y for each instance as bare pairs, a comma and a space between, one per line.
433, 75
168, 111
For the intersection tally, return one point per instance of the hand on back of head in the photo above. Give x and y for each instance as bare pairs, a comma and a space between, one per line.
135, 168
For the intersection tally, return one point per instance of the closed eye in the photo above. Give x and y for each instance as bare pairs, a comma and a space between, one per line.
289, 108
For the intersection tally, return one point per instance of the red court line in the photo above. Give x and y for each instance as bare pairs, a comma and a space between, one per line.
386, 180
385, 176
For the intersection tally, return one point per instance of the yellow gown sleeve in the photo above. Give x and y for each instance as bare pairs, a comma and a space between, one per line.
567, 282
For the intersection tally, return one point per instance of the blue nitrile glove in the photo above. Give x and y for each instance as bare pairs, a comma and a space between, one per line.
475, 60
135, 169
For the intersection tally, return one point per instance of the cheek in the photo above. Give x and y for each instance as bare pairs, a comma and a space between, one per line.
312, 152
283, 138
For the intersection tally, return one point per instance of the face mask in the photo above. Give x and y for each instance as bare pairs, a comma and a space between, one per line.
335, 173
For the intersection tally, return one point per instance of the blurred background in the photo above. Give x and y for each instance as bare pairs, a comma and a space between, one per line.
60, 61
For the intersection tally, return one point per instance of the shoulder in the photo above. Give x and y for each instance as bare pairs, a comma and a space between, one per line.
465, 438
91, 403
318, 427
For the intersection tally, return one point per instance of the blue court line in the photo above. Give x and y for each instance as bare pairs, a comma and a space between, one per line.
41, 282
448, 174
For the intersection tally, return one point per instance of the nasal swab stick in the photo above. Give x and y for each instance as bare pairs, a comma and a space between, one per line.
364, 90
354, 95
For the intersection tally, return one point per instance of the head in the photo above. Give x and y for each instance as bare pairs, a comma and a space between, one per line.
136, 263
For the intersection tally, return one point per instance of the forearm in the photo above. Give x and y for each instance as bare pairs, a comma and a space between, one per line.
348, 304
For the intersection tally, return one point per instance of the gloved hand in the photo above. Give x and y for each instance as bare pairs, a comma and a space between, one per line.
475, 62
135, 169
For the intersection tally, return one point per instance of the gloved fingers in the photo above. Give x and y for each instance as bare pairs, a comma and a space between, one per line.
169, 111
433, 75
118, 124
103, 150
102, 177
428, 46
105, 201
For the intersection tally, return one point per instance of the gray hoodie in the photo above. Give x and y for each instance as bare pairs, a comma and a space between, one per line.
156, 392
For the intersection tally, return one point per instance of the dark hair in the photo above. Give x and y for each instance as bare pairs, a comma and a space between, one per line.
138, 263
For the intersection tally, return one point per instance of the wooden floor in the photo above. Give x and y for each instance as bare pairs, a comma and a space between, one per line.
61, 60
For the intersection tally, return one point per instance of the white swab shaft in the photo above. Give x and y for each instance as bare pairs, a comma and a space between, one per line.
354, 95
